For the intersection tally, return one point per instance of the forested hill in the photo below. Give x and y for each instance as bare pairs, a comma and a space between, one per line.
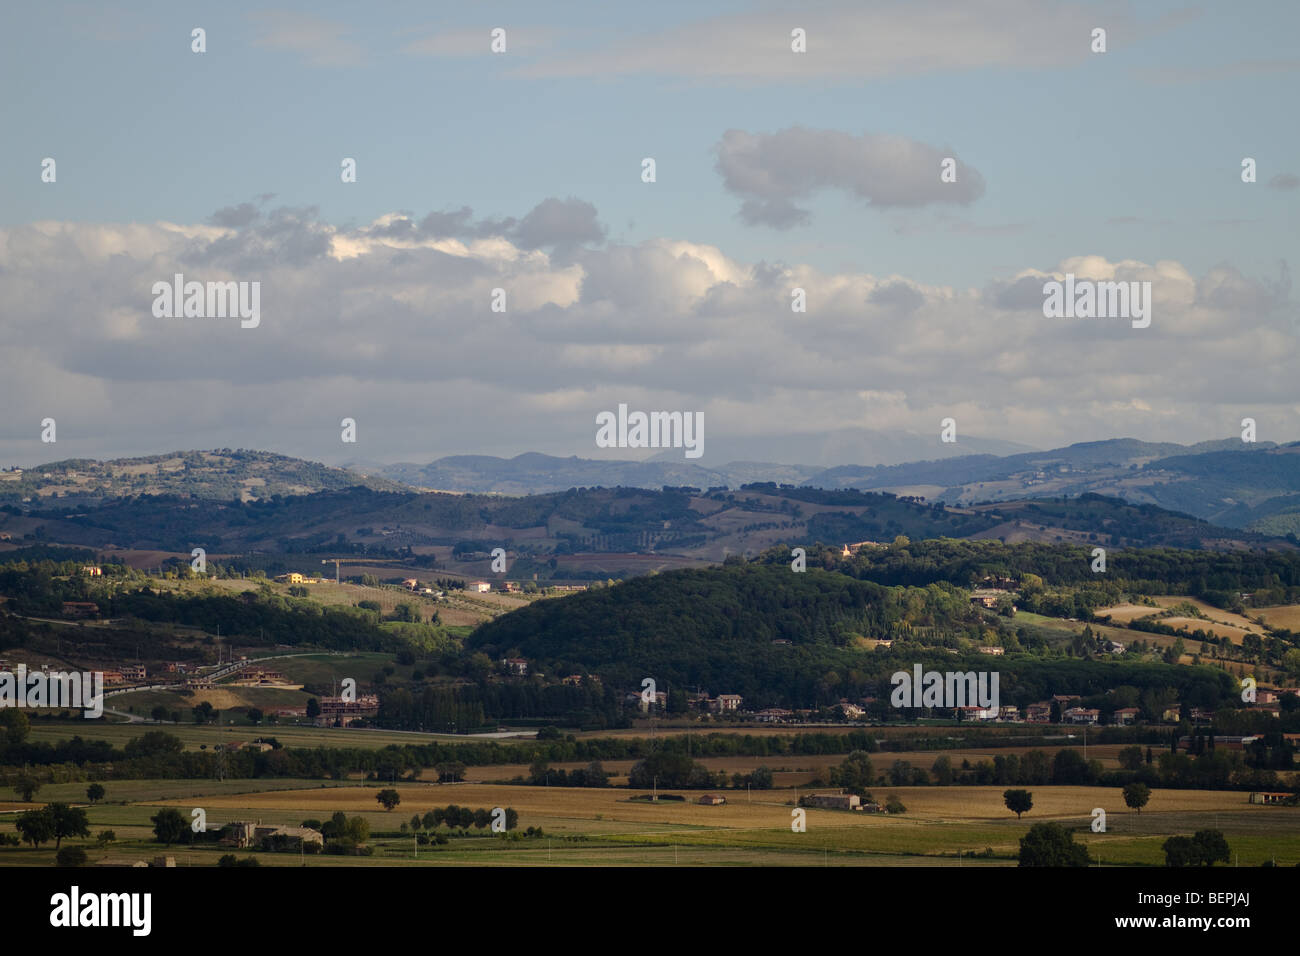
715, 628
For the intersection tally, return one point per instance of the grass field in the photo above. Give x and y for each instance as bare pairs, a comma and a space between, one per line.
1285, 616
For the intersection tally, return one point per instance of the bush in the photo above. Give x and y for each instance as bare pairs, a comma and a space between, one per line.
70, 856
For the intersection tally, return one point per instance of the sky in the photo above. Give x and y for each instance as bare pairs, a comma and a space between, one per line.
522, 171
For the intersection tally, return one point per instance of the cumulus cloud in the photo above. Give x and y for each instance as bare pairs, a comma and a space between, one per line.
770, 171
392, 325
559, 222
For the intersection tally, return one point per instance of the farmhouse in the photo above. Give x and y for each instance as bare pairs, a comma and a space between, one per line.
515, 666
987, 597
1276, 799
293, 577
834, 801
1081, 715
479, 587
134, 672
244, 834
712, 800
773, 715
994, 651
92, 572
726, 703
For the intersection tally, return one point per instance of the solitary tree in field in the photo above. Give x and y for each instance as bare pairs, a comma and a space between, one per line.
1050, 844
1018, 801
26, 785
68, 821
168, 825
1213, 848
95, 792
36, 826
1136, 795
389, 798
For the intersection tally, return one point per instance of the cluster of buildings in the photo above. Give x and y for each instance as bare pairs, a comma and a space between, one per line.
113, 677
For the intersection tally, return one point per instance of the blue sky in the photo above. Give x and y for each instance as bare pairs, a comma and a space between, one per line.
1131, 155
144, 129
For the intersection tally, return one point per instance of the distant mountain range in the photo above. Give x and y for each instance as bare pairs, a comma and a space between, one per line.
1227, 483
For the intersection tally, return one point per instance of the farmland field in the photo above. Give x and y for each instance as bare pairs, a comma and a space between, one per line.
604, 826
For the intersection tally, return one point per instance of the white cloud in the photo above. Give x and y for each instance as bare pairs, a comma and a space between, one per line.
397, 331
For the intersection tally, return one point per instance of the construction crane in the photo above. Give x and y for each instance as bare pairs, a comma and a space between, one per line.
335, 562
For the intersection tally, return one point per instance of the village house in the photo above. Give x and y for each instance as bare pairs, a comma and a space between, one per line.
92, 571
515, 666
1009, 712
134, 672
262, 677
344, 712
479, 587
851, 711
1124, 716
410, 584
1039, 713
293, 577
773, 715
726, 704
994, 651
113, 678
1081, 715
